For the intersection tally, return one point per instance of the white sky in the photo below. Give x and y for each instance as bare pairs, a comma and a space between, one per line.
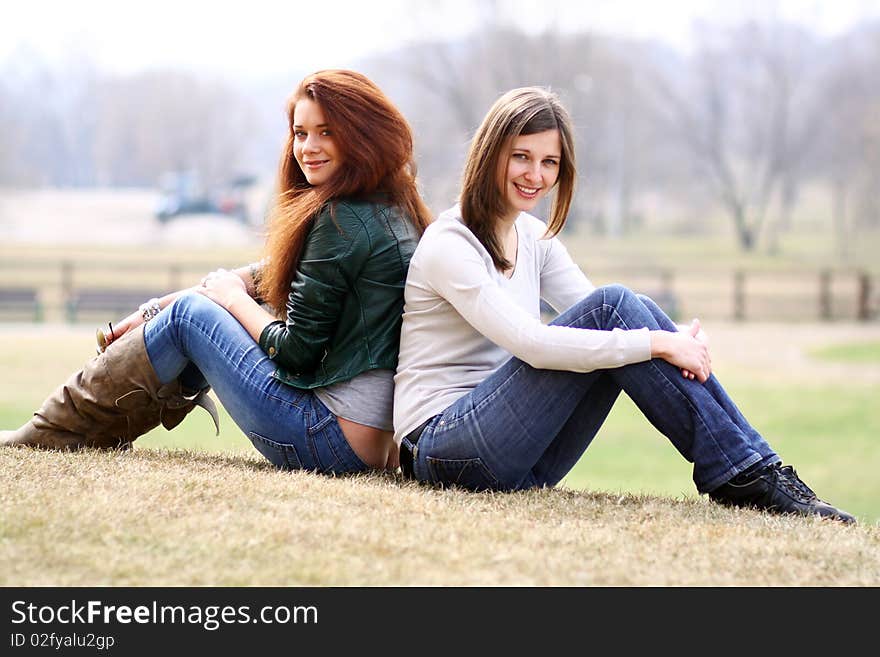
257, 38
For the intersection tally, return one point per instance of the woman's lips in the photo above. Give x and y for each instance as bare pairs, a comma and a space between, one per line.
527, 192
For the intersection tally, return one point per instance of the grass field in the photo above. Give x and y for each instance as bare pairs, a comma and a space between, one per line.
172, 518
859, 352
818, 411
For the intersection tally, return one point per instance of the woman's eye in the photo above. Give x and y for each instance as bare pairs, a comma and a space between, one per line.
520, 156
551, 163
326, 133
299, 134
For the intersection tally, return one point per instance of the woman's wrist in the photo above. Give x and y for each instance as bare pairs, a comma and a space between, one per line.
255, 269
235, 298
250, 274
660, 344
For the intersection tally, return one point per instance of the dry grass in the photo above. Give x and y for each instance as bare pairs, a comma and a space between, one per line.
169, 518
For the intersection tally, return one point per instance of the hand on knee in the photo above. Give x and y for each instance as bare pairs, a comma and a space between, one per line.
684, 351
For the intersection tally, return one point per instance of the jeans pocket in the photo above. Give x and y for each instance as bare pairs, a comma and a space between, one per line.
282, 455
466, 473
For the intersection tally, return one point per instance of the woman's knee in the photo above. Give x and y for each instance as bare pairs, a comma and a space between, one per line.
616, 294
659, 314
193, 304
619, 295
631, 308
187, 311
602, 306
610, 295
650, 304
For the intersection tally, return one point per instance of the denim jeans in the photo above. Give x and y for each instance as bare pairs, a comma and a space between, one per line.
198, 341
524, 427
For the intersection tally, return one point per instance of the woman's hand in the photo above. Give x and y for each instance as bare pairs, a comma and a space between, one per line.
228, 290
135, 319
220, 286
684, 350
696, 330
223, 287
113, 332
120, 328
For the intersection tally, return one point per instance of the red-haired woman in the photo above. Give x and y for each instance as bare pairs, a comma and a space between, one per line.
312, 387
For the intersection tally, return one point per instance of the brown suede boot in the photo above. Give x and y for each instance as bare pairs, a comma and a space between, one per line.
115, 398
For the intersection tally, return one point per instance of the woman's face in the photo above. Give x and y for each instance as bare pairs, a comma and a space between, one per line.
313, 145
532, 168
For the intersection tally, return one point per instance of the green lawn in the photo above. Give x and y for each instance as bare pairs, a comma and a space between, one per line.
828, 432
859, 352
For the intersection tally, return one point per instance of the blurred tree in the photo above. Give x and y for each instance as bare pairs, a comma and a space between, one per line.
71, 126
165, 120
746, 111
849, 146
602, 82
7, 135
751, 116
47, 121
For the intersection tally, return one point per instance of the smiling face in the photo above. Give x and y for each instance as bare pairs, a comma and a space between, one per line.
313, 146
530, 170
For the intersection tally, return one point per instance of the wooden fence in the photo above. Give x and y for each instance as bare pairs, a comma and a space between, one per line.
758, 295
88, 291
101, 290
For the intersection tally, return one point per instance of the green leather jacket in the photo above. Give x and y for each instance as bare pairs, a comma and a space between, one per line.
346, 299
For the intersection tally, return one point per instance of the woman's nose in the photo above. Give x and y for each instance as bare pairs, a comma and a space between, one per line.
312, 144
533, 172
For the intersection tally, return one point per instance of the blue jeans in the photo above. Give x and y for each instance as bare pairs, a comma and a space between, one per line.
198, 341
523, 427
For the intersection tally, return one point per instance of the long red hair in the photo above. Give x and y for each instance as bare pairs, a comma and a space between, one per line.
377, 147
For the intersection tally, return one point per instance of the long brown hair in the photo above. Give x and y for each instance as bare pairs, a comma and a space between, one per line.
377, 147
523, 111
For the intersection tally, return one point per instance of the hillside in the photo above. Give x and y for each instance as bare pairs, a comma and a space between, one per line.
168, 518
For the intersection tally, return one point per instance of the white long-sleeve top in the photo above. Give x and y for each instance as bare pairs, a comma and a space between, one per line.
463, 319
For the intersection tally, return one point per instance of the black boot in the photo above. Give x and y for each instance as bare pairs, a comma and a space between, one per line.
777, 489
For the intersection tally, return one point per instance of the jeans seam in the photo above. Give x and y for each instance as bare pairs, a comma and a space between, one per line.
330, 445
310, 439
449, 425
490, 397
184, 319
313, 438
696, 411
579, 318
454, 422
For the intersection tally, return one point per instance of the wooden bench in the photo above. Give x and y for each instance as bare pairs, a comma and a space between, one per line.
109, 303
20, 302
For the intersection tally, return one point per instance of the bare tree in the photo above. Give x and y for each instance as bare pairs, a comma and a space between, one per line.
746, 116
451, 85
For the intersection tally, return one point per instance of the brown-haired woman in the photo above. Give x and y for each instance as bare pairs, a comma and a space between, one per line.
489, 397
312, 387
